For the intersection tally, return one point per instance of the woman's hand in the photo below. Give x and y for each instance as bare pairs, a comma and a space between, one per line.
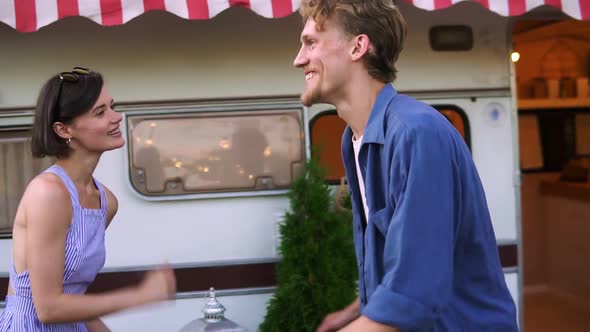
158, 285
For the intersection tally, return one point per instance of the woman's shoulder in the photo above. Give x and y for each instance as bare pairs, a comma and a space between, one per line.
46, 187
47, 203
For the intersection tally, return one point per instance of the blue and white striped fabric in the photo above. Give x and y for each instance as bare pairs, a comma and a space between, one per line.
84, 257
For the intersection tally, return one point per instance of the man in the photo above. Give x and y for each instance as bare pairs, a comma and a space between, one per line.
425, 246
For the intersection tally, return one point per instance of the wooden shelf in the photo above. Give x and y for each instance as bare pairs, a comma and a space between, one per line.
578, 191
524, 104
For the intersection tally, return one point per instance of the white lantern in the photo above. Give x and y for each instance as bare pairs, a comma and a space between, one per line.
213, 320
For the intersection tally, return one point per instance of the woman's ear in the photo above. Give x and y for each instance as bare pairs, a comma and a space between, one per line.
62, 130
361, 45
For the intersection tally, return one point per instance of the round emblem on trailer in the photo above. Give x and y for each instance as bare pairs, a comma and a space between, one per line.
495, 114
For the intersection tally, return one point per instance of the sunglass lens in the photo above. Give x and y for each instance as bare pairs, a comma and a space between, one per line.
81, 71
69, 77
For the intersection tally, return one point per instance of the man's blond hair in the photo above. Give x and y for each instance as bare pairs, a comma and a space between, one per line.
381, 20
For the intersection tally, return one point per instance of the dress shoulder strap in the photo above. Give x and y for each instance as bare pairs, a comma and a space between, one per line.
61, 173
103, 195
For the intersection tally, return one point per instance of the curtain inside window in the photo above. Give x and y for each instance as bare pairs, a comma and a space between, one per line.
17, 169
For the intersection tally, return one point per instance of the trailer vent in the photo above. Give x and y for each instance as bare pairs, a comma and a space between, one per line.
451, 38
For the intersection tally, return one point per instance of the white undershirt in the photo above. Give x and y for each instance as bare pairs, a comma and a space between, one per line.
356, 145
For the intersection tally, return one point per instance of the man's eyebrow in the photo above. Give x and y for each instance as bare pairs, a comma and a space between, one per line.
306, 37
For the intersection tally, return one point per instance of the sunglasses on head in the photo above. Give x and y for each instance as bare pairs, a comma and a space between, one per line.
74, 75
71, 77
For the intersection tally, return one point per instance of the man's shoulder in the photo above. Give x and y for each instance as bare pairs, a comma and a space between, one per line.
405, 100
405, 113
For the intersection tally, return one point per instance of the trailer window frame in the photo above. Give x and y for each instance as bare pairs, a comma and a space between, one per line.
261, 185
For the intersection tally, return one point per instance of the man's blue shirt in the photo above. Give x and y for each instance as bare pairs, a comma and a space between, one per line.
427, 258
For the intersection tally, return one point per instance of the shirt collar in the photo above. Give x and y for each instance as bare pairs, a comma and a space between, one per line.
374, 131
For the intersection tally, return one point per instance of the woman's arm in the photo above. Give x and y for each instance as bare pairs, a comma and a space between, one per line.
48, 214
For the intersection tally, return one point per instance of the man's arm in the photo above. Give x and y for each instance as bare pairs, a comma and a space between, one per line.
419, 237
364, 324
337, 320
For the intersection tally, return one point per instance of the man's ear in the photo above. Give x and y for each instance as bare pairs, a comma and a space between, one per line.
360, 46
62, 130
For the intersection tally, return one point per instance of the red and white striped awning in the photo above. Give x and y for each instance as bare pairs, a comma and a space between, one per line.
31, 15
578, 9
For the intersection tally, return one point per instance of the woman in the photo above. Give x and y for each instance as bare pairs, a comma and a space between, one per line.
58, 235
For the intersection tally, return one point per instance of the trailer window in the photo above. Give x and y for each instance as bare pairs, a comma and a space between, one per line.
212, 152
458, 119
326, 131
17, 168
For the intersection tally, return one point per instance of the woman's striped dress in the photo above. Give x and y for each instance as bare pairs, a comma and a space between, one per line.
84, 257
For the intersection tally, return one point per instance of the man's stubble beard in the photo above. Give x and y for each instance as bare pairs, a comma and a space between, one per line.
312, 96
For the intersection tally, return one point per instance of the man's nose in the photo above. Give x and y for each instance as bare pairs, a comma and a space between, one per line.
300, 60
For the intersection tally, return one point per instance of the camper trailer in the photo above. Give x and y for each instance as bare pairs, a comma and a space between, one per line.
216, 133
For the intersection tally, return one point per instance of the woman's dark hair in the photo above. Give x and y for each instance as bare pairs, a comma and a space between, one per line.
63, 104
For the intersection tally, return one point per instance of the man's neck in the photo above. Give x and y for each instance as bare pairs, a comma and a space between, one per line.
356, 105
